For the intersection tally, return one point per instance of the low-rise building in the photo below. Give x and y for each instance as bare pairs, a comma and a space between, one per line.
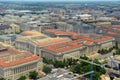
15, 28
5, 39
14, 63
114, 62
43, 45
4, 45
8, 38
85, 16
112, 30
33, 41
82, 46
107, 23
7, 29
99, 40
63, 51
56, 33
35, 46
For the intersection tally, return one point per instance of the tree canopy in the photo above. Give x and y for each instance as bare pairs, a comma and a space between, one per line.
33, 75
2, 79
22, 78
47, 69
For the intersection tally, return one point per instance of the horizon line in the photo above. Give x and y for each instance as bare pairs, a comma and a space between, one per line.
59, 1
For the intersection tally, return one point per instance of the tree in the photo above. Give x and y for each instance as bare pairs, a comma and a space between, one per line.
47, 69
110, 49
84, 57
22, 78
58, 64
33, 75
84, 67
78, 68
47, 61
118, 51
96, 75
65, 62
69, 61
2, 79
82, 62
116, 45
105, 51
99, 51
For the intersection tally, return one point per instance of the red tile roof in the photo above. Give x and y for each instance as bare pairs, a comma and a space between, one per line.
56, 32
104, 38
85, 38
85, 42
62, 47
24, 60
12, 57
53, 41
111, 30
100, 38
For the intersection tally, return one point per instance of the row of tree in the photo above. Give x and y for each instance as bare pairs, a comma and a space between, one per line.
61, 64
47, 69
105, 51
32, 75
117, 49
117, 52
2, 78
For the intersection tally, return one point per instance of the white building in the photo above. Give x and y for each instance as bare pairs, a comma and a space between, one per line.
63, 51
14, 63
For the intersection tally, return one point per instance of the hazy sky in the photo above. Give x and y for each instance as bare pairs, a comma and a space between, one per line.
59, 0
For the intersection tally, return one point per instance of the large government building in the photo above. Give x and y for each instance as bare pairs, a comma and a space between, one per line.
14, 63
61, 45
34, 41
63, 51
83, 45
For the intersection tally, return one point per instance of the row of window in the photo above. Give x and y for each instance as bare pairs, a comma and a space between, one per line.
20, 69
